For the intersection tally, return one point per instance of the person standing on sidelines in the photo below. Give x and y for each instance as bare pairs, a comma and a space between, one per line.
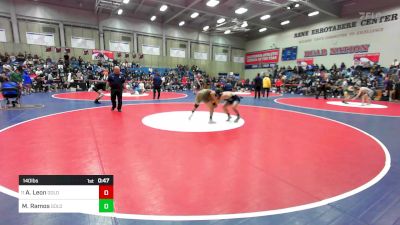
27, 82
278, 85
116, 81
157, 82
17, 78
266, 85
257, 86
323, 85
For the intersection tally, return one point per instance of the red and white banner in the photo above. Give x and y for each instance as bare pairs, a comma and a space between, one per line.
305, 62
102, 54
266, 56
366, 59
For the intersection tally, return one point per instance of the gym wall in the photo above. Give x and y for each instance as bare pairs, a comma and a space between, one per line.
383, 38
44, 18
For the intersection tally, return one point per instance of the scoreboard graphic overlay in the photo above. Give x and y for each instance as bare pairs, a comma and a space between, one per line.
66, 193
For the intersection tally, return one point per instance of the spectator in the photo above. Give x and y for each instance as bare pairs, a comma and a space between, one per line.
388, 87
27, 82
16, 76
266, 85
80, 60
278, 85
7, 69
141, 88
323, 85
395, 63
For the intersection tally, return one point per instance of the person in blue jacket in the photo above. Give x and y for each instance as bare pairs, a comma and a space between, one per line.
116, 81
10, 90
157, 82
27, 82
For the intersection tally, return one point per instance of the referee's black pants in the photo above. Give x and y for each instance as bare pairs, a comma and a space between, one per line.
257, 92
158, 90
116, 93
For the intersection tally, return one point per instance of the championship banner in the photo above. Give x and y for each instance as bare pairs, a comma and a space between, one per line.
102, 54
305, 62
261, 57
366, 59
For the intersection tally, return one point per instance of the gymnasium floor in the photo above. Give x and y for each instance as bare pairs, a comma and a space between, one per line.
289, 160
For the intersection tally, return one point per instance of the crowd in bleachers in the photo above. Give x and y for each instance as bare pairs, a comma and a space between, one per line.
307, 80
77, 74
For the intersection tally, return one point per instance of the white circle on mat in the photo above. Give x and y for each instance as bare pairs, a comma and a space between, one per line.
129, 95
179, 121
357, 105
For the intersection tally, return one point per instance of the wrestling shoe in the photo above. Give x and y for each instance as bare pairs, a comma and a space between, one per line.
237, 119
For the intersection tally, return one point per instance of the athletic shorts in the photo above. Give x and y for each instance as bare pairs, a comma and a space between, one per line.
233, 99
99, 86
370, 93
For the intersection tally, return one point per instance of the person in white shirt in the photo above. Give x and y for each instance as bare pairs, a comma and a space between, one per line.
141, 87
70, 80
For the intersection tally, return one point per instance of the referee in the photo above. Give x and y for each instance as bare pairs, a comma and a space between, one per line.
157, 82
258, 83
116, 81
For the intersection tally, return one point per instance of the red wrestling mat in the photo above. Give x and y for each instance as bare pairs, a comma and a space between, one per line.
263, 165
378, 108
91, 96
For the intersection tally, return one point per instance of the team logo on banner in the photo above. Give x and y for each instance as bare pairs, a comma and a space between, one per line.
305, 62
102, 54
366, 59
